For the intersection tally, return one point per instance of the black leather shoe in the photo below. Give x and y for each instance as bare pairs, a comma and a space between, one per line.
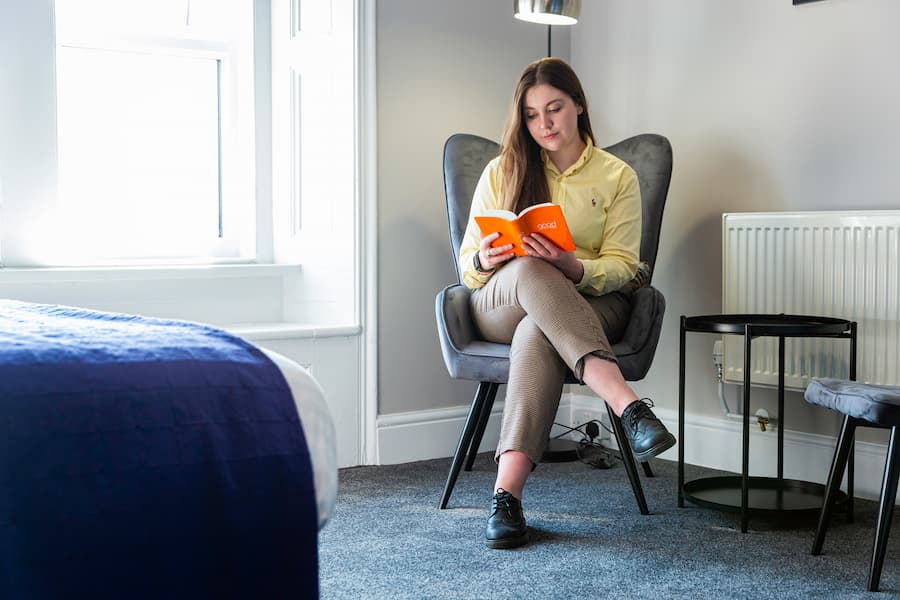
506, 525
646, 434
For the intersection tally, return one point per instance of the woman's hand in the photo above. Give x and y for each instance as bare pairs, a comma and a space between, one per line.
541, 247
491, 258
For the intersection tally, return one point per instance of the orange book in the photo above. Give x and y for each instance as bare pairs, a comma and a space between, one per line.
546, 219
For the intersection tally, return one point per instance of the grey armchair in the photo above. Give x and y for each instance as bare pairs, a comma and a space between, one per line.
470, 358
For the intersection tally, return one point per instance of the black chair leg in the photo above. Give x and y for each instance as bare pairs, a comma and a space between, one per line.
628, 461
483, 418
648, 471
482, 397
838, 464
885, 510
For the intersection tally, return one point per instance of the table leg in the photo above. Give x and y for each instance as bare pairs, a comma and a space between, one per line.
681, 416
850, 468
745, 459
780, 494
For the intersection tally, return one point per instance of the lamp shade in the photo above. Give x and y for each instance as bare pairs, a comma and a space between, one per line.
548, 12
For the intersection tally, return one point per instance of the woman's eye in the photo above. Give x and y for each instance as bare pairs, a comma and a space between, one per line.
554, 110
530, 117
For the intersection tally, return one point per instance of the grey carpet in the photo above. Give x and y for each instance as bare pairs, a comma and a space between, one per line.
387, 539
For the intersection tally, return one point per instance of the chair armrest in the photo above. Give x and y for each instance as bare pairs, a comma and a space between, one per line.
466, 356
636, 349
454, 316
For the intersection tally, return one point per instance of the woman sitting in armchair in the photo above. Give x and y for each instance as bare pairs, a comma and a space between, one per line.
558, 309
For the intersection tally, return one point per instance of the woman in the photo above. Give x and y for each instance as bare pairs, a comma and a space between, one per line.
559, 310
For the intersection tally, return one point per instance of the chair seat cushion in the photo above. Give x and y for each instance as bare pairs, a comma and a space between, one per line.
879, 404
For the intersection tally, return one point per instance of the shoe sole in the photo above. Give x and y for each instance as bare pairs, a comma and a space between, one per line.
656, 450
507, 543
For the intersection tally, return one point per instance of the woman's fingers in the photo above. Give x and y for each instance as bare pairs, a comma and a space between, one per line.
492, 257
540, 245
499, 250
486, 242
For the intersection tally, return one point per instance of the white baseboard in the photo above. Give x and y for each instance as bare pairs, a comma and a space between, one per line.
713, 442
426, 434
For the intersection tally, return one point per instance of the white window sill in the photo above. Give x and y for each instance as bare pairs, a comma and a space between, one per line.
104, 278
144, 273
278, 331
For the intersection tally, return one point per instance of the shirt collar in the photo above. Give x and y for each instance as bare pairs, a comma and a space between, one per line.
585, 156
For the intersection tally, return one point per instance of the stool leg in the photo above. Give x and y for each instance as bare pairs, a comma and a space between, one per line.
885, 510
838, 463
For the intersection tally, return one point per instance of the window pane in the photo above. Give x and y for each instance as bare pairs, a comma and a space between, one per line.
139, 151
220, 20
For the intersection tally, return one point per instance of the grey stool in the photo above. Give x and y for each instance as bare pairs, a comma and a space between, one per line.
862, 406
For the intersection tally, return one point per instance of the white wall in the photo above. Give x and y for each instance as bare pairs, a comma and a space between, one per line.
303, 313
27, 53
768, 107
442, 68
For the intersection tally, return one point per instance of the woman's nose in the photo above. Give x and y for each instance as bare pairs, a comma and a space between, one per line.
546, 122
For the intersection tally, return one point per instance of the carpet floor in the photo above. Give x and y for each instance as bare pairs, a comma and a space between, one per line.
388, 539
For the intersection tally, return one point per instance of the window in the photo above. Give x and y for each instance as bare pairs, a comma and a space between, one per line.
154, 109
182, 131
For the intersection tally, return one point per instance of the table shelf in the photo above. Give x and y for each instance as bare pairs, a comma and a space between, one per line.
768, 497
759, 496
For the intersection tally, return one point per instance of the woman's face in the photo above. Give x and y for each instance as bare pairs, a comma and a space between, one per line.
552, 119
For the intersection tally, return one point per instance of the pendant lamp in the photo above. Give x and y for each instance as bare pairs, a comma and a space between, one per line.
548, 12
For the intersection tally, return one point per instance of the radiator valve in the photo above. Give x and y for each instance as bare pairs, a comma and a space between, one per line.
762, 418
717, 359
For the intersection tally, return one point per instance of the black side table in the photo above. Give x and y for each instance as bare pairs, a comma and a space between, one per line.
758, 495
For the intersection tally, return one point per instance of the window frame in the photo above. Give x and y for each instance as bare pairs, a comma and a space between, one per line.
241, 205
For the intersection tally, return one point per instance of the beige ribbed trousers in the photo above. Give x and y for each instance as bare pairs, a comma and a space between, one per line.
551, 327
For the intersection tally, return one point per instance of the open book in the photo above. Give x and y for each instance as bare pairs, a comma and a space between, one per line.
546, 219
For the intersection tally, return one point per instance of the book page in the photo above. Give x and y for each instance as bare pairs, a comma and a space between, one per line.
535, 207
500, 213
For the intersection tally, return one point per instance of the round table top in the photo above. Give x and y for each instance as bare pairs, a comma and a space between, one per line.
768, 324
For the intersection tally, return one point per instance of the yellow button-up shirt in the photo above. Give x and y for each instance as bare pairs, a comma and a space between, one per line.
601, 200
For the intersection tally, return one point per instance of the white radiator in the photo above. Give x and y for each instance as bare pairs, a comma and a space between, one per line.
828, 264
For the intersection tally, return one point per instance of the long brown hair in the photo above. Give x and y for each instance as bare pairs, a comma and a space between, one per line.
524, 183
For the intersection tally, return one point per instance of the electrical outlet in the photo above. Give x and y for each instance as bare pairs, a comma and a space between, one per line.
717, 353
580, 416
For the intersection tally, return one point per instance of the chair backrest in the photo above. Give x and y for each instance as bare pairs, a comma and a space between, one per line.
466, 155
650, 155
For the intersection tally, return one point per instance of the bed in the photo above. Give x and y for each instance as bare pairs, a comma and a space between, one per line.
144, 457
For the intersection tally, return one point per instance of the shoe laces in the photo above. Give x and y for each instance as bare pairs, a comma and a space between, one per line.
640, 410
503, 499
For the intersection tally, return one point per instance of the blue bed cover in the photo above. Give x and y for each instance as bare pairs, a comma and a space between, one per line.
147, 458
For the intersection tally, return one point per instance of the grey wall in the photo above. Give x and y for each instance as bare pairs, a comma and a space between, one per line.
442, 68
769, 107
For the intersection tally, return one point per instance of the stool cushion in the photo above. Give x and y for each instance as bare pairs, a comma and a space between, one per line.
879, 404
